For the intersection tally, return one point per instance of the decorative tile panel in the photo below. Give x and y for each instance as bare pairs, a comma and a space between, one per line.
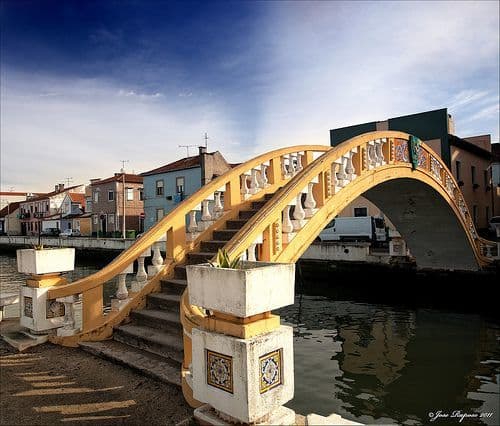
54, 309
220, 371
28, 307
271, 370
401, 150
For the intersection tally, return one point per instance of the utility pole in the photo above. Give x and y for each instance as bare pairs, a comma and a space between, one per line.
123, 184
187, 148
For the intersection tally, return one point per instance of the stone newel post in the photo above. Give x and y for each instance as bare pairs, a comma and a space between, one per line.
38, 313
242, 361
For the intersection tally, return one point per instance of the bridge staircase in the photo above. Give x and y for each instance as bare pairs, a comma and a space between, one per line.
151, 342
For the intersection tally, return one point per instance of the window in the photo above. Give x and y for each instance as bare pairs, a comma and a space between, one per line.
111, 218
486, 179
159, 214
111, 195
130, 194
457, 170
159, 188
96, 196
473, 174
360, 211
141, 194
474, 214
47, 207
179, 185
96, 219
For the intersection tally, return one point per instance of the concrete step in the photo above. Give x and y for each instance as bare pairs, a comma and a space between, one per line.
236, 224
164, 301
151, 340
224, 235
257, 205
246, 214
146, 363
175, 286
200, 257
212, 245
161, 320
180, 272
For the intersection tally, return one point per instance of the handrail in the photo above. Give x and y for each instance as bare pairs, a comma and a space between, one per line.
172, 227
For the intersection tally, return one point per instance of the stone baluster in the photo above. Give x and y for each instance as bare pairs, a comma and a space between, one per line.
284, 169
300, 167
218, 207
245, 191
298, 214
206, 217
122, 292
372, 160
141, 275
192, 225
68, 328
157, 259
251, 256
287, 225
310, 202
380, 149
263, 182
254, 183
349, 168
293, 169
341, 175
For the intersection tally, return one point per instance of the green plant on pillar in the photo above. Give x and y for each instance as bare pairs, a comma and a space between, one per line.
223, 261
38, 246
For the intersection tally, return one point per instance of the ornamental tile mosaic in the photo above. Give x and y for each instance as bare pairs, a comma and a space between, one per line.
220, 371
28, 307
401, 150
271, 370
54, 309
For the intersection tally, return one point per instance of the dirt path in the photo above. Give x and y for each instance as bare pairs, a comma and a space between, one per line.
49, 384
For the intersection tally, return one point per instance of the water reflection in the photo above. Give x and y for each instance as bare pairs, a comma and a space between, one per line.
382, 364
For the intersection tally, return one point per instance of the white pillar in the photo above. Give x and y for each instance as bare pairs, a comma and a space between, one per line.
218, 208
300, 167
284, 169
251, 252
244, 185
292, 167
298, 214
263, 177
192, 225
254, 184
310, 202
287, 225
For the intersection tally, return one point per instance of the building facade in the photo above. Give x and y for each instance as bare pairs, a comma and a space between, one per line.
168, 185
10, 223
469, 158
38, 213
115, 199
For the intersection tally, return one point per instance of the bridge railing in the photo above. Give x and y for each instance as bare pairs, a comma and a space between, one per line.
178, 233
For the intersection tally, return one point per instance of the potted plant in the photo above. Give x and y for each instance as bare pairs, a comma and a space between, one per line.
241, 288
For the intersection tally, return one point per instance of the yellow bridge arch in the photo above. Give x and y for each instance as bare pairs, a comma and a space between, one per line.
301, 188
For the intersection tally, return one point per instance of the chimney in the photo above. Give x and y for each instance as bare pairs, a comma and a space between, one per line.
203, 154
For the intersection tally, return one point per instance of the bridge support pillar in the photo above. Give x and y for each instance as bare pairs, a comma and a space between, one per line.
242, 363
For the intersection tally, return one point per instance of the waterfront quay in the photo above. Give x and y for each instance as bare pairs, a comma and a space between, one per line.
79, 243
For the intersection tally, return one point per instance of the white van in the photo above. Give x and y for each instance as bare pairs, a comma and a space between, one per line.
363, 228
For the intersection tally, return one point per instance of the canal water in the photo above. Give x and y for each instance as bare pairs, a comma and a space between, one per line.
378, 363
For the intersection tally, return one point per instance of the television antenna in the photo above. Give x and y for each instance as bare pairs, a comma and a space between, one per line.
206, 140
187, 148
68, 181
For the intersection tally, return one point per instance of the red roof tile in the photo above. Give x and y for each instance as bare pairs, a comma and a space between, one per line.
129, 178
77, 198
183, 163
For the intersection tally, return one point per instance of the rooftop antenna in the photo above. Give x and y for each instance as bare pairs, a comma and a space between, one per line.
206, 140
187, 148
122, 170
68, 180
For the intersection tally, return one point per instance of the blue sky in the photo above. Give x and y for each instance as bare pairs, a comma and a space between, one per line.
85, 84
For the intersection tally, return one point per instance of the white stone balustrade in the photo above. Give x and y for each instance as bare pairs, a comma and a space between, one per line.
263, 181
245, 190
68, 328
218, 207
141, 277
206, 216
298, 214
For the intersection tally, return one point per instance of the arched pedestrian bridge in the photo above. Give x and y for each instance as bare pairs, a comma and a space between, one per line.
270, 209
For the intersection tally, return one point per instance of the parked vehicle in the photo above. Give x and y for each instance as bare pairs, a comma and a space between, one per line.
363, 228
50, 232
494, 225
70, 233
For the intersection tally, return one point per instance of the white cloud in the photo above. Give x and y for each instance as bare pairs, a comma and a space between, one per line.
86, 127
